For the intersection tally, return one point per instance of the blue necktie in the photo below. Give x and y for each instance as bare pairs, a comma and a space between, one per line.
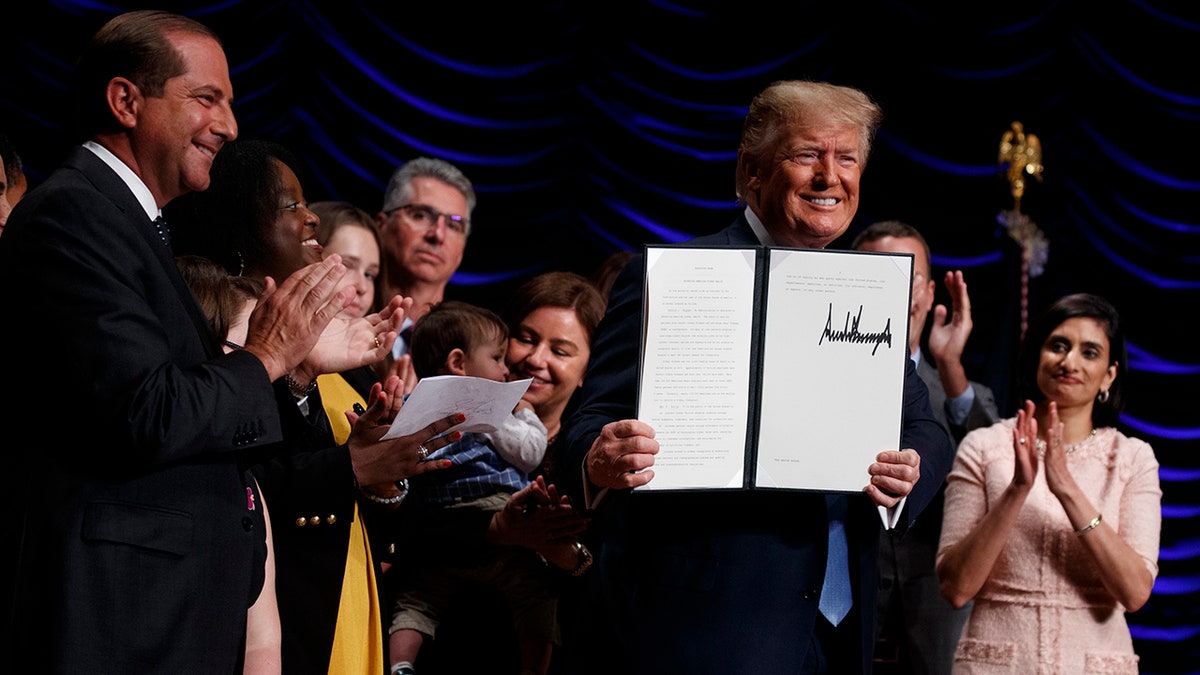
836, 594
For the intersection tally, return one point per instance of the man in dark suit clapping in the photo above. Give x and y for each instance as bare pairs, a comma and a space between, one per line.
138, 537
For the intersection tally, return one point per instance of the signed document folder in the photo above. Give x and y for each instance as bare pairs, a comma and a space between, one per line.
772, 368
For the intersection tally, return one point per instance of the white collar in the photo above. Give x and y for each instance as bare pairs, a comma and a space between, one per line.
760, 230
139, 189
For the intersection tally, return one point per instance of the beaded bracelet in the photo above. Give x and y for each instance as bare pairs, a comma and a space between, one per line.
1090, 526
298, 390
403, 485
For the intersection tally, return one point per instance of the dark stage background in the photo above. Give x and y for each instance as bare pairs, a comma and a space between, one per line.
591, 127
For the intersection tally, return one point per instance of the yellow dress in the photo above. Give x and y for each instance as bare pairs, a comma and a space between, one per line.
358, 638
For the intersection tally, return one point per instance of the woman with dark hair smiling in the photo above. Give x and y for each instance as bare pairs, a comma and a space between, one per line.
551, 319
1052, 519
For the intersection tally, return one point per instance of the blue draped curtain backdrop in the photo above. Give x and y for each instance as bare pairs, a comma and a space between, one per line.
595, 127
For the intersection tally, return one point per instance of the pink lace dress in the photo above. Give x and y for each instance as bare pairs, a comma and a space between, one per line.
1044, 609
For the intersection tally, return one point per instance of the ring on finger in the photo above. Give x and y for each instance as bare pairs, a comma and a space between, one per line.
378, 344
423, 452
1021, 440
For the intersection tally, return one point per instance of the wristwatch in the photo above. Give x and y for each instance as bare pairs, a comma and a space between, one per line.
585, 560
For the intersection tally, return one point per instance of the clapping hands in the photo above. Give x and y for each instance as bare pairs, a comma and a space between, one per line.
346, 344
537, 517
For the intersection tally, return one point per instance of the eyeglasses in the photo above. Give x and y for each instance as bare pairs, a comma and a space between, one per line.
422, 217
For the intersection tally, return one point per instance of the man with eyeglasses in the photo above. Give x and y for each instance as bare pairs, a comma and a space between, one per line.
424, 224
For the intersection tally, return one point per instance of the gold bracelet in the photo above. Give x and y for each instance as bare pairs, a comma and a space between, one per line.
1090, 526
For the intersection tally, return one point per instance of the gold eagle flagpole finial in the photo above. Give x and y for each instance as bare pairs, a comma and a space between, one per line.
1020, 154
1021, 157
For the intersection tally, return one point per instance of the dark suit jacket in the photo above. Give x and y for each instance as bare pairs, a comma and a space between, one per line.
916, 550
717, 582
915, 554
983, 411
134, 549
910, 607
310, 491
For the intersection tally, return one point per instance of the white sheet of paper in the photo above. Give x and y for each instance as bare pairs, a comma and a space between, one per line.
832, 366
486, 403
696, 373
833, 383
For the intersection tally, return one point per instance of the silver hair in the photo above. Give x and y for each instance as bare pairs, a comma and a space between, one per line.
399, 189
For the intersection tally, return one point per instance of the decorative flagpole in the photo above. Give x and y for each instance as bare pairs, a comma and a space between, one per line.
1021, 155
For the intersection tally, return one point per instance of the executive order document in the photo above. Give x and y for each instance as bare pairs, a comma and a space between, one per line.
772, 367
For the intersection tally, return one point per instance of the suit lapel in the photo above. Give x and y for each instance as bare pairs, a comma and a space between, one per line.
110, 185
937, 393
203, 327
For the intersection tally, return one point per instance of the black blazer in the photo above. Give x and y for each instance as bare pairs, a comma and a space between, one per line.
133, 540
717, 582
310, 491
